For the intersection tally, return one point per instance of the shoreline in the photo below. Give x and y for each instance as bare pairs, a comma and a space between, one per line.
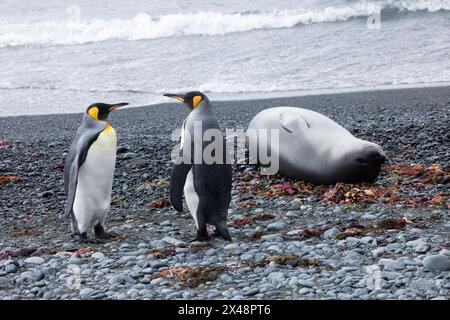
278, 95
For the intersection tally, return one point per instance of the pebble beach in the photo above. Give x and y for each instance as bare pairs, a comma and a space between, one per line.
291, 240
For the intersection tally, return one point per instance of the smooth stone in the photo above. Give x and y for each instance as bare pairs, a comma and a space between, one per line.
275, 249
276, 277
98, 256
306, 283
331, 233
34, 260
437, 263
158, 281
419, 245
271, 237
368, 216
231, 246
392, 247
213, 260
390, 275
75, 260
226, 278
172, 241
11, 268
145, 280
251, 292
47, 295
86, 292
247, 256
159, 264
391, 264
303, 291
378, 252
276, 226
147, 271
158, 244
174, 295
352, 254
369, 240
122, 278
33, 275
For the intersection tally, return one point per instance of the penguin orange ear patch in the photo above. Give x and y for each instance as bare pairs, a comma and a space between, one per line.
196, 100
93, 112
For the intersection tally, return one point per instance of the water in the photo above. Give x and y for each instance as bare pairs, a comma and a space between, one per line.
60, 56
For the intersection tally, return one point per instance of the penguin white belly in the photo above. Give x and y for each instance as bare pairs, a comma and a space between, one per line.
95, 176
191, 196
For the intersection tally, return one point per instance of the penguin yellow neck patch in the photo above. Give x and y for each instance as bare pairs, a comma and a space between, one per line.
108, 127
196, 100
93, 112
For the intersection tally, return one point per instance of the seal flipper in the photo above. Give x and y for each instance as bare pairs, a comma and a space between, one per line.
292, 122
177, 181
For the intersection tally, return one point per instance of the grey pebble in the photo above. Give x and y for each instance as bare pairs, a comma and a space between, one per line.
251, 292
11, 268
276, 226
33, 275
331, 233
122, 278
34, 260
437, 263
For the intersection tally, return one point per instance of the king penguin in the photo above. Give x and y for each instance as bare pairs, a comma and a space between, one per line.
206, 186
88, 173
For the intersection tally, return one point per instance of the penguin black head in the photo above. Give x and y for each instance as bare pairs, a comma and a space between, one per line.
100, 111
191, 99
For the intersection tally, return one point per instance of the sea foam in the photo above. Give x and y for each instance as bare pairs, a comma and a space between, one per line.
145, 26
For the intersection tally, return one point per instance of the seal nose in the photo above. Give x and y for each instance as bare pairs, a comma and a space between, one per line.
376, 158
372, 157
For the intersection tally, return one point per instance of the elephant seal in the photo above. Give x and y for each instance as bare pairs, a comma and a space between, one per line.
314, 148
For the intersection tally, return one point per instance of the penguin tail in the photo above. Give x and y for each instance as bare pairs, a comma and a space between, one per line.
222, 230
177, 205
64, 215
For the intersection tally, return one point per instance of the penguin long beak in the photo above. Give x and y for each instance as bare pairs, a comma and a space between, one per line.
179, 97
118, 105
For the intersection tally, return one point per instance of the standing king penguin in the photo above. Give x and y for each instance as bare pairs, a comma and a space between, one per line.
89, 171
206, 186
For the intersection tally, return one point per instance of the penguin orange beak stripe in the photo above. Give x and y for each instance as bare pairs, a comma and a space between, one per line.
179, 97
118, 105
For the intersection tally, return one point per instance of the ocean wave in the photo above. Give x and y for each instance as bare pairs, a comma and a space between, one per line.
144, 26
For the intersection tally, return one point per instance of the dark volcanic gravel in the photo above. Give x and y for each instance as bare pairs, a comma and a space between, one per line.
412, 126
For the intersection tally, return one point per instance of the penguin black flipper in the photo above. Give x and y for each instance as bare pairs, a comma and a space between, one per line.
87, 133
179, 175
177, 181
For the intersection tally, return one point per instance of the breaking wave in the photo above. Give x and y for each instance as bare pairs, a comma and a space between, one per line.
74, 30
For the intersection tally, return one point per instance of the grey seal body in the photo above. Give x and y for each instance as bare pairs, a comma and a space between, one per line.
88, 172
206, 186
314, 148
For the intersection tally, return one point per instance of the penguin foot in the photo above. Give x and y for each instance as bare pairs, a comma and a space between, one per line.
222, 232
107, 235
100, 233
226, 238
84, 239
217, 234
91, 241
197, 239
202, 234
